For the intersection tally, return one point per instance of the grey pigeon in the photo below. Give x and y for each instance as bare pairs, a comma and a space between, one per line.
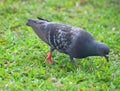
67, 39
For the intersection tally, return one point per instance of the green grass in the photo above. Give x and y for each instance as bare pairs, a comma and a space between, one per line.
22, 53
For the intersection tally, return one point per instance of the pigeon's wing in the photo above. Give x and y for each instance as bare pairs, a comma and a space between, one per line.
60, 36
42, 19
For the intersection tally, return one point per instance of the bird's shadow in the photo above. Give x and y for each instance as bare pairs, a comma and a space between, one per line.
86, 65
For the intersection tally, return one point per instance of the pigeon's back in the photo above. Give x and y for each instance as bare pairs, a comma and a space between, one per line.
64, 38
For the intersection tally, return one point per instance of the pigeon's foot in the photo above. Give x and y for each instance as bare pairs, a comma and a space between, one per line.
48, 58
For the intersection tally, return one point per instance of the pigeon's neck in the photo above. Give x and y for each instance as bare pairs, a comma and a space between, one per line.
92, 49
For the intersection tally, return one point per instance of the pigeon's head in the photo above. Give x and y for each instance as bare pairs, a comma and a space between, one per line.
34, 22
103, 50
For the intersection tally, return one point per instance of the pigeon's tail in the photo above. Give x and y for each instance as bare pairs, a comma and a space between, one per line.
42, 19
33, 22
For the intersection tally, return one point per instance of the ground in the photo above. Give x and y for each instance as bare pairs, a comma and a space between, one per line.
22, 53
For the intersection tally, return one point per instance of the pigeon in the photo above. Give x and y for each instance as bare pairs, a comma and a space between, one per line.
70, 40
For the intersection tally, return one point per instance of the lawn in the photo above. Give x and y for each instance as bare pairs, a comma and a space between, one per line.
22, 53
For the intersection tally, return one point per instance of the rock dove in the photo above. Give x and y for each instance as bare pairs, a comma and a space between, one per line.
67, 39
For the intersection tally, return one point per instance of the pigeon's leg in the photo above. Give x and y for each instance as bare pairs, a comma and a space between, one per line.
48, 58
71, 59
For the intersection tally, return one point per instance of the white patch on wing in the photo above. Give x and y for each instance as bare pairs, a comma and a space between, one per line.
54, 39
49, 39
62, 40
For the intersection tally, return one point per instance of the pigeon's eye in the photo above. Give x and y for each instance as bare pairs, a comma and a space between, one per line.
102, 50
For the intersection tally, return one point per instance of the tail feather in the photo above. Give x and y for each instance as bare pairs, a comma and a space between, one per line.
42, 19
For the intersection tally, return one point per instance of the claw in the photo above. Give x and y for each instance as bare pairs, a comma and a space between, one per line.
48, 58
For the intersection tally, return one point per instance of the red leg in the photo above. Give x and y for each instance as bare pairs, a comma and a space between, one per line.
48, 58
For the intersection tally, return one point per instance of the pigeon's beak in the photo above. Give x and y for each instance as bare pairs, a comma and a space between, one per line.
106, 56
